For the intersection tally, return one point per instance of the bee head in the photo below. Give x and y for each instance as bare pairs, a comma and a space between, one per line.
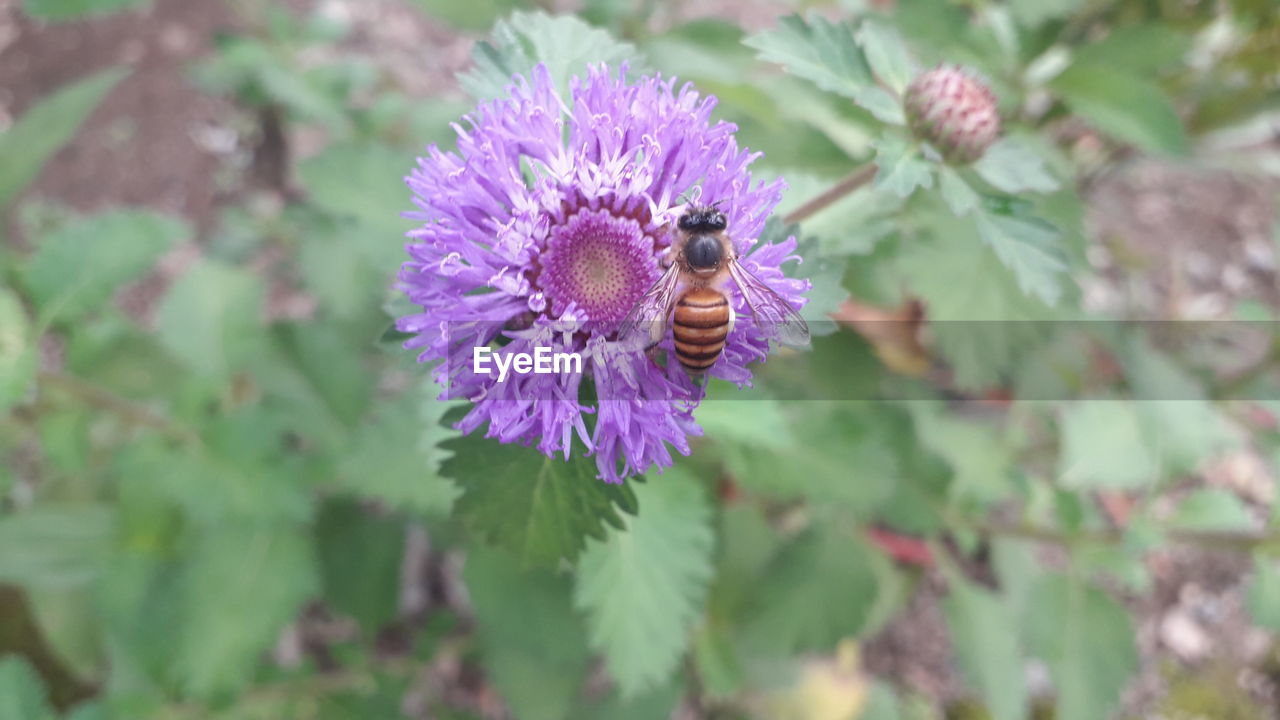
703, 219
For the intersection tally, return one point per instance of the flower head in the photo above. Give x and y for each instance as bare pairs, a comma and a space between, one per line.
954, 111
543, 231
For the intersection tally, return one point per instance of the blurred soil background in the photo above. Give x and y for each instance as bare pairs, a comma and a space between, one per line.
1168, 242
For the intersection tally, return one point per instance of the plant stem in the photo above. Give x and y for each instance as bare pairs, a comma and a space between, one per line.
126, 409
846, 185
1238, 540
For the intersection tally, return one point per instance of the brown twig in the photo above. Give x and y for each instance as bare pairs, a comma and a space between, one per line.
848, 184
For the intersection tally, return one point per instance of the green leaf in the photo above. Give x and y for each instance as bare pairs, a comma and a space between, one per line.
332, 365
979, 458
886, 53
643, 587
363, 181
395, 457
241, 584
1212, 509
1033, 13
360, 554
1182, 426
17, 350
565, 44
855, 470
902, 168
78, 267
75, 9
792, 612
71, 626
988, 653
961, 198
46, 127
1262, 595
1087, 640
1131, 108
1103, 446
55, 547
475, 15
1139, 49
979, 316
819, 51
542, 509
22, 694
538, 666
210, 320
1030, 248
1011, 166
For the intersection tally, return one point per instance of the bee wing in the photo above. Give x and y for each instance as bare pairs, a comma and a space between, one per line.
647, 318
773, 314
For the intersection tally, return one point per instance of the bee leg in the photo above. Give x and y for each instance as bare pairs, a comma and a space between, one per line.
733, 317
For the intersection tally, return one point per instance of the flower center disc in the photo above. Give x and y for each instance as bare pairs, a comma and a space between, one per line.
600, 262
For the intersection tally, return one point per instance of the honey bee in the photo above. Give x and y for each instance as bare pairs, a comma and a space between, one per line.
698, 264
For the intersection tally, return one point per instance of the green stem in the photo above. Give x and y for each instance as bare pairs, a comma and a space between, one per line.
127, 410
1238, 540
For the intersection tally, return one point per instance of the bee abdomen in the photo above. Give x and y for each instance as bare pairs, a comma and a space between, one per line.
699, 326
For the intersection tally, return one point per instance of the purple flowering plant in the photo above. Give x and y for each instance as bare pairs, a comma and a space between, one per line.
544, 229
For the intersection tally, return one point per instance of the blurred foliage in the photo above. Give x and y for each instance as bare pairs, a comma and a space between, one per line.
212, 507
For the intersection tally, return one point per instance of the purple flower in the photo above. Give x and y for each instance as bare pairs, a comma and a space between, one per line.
546, 227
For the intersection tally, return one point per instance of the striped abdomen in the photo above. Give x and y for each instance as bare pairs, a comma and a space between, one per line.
700, 325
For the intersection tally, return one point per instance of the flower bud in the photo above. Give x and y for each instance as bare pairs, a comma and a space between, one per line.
953, 111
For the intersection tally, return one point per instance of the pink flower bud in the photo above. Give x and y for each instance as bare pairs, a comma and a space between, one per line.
954, 111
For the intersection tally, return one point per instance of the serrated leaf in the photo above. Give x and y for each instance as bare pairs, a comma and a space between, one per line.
988, 653
565, 44
980, 459
74, 9
210, 319
542, 509
17, 350
1103, 446
961, 198
364, 182
241, 583
794, 613
55, 547
77, 267
855, 470
819, 51
538, 666
1029, 247
643, 587
1131, 108
395, 457
902, 168
886, 53
978, 315
22, 693
1182, 427
881, 104
1087, 639
46, 127
1011, 166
